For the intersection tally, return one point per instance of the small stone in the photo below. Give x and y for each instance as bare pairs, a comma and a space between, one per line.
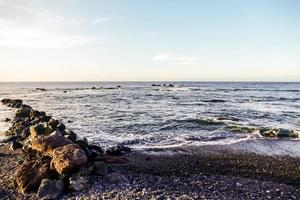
7, 120
50, 189
239, 184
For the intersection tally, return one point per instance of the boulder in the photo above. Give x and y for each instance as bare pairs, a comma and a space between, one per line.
23, 113
30, 174
53, 123
68, 158
50, 189
36, 130
46, 145
15, 145
17, 103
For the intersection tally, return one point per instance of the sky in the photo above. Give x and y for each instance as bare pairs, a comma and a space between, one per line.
149, 40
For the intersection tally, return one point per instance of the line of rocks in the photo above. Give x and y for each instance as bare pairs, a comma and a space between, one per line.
56, 159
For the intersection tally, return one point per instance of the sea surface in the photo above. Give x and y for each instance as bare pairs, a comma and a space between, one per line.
144, 116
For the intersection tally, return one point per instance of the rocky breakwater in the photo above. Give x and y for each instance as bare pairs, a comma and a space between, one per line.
56, 159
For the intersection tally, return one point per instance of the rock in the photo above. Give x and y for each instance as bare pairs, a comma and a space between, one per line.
53, 123
7, 120
50, 189
99, 168
78, 183
15, 145
96, 148
118, 150
268, 132
30, 174
37, 130
68, 158
17, 103
23, 113
116, 178
238, 184
41, 89
215, 101
287, 133
83, 142
46, 145
61, 127
71, 136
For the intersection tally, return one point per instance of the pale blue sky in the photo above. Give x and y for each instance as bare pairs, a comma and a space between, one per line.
97, 40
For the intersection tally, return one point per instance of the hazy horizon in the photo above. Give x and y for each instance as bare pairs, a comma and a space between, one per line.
112, 41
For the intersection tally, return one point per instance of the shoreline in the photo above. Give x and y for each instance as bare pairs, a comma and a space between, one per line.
242, 174
189, 172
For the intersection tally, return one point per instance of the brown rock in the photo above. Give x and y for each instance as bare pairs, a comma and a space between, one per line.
68, 158
30, 174
47, 144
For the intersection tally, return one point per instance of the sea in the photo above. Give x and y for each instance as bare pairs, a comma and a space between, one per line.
162, 114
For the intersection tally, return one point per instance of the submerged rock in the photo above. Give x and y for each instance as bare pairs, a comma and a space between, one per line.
215, 101
287, 133
68, 158
50, 189
272, 133
7, 120
16, 103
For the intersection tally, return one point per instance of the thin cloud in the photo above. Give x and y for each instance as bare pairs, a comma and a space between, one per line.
101, 20
175, 59
25, 26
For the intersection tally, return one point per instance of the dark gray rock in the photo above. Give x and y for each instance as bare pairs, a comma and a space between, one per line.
15, 145
61, 127
118, 150
50, 189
